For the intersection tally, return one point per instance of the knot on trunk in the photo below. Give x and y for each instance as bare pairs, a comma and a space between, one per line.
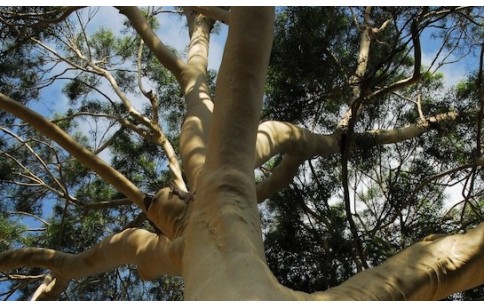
167, 211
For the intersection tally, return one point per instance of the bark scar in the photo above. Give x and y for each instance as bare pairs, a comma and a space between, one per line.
183, 195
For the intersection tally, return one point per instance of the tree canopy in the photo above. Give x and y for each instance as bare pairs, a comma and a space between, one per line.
329, 140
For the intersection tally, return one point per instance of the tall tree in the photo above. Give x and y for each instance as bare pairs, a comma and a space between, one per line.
368, 120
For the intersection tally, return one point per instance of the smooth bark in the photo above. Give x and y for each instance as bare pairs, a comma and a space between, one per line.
152, 254
212, 235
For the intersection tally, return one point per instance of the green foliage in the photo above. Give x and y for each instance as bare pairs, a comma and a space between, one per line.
307, 258
304, 36
9, 232
6, 170
308, 241
466, 89
75, 89
102, 44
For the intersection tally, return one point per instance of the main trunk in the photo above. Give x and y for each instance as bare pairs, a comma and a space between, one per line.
224, 255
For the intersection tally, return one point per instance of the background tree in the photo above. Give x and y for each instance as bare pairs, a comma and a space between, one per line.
361, 177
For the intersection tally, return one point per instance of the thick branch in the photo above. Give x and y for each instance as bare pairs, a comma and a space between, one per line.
199, 31
87, 158
195, 127
280, 177
226, 198
240, 87
281, 137
428, 270
408, 132
166, 57
153, 255
167, 211
300, 144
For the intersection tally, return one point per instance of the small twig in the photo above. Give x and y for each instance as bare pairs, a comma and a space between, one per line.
31, 215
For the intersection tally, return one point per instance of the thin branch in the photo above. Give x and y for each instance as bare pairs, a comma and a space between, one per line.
22, 277
85, 113
418, 103
34, 230
361, 66
359, 251
84, 34
138, 63
443, 12
159, 137
29, 214
417, 54
106, 74
52, 51
40, 160
52, 131
149, 95
37, 182
109, 142
108, 203
419, 107
478, 150
35, 16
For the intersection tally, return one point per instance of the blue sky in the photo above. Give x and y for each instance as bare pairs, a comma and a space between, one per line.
173, 32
